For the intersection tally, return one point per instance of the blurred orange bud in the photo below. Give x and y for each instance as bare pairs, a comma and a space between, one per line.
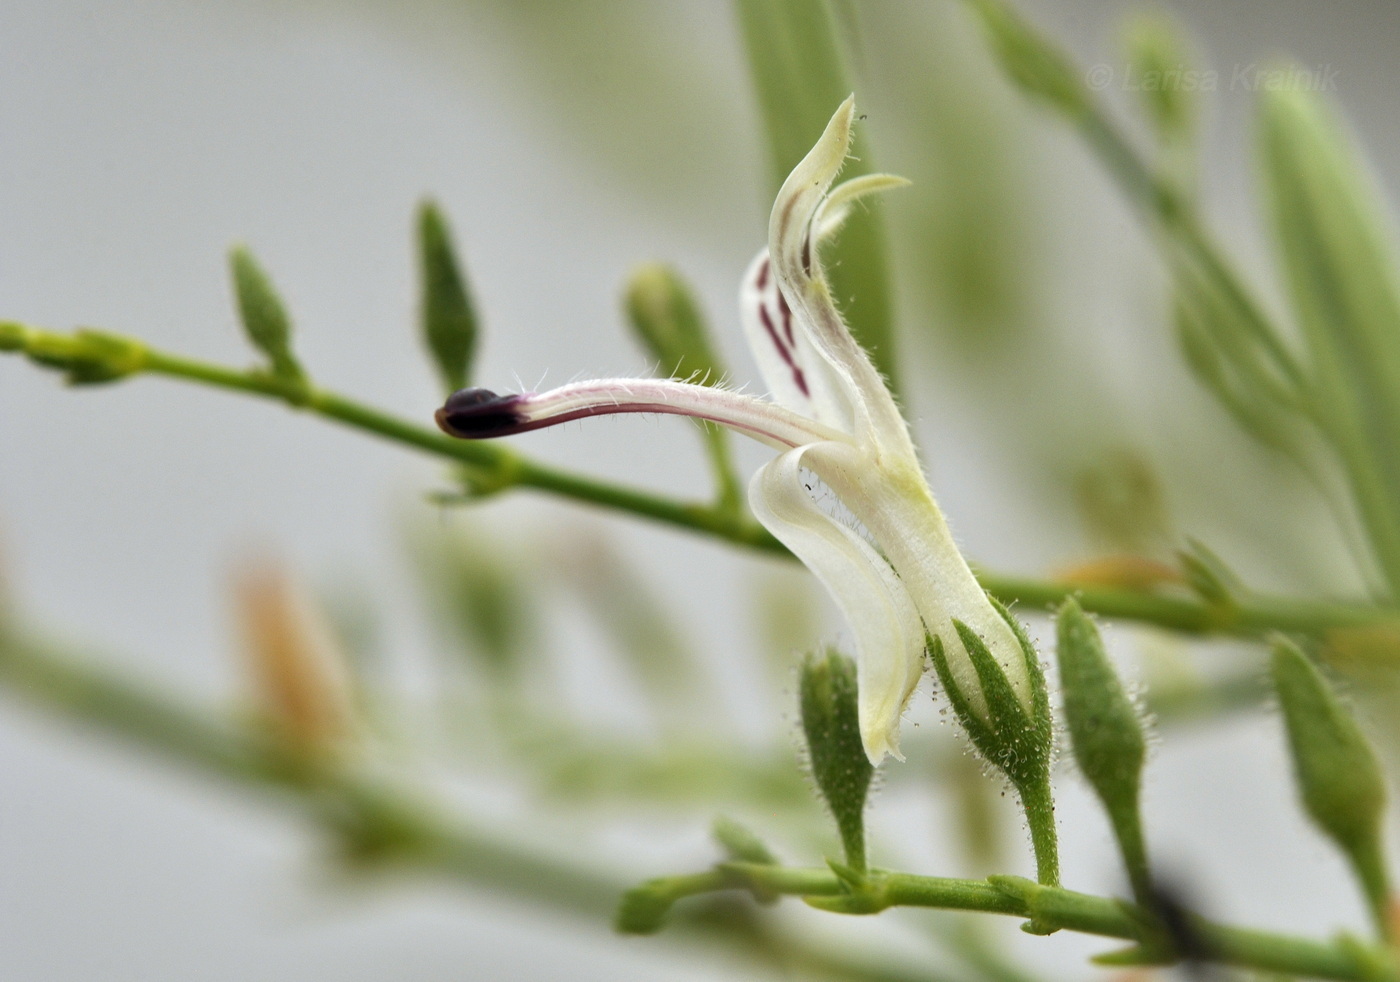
1362, 651
302, 684
1126, 572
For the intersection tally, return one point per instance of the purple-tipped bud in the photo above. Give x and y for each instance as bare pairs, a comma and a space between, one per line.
477, 414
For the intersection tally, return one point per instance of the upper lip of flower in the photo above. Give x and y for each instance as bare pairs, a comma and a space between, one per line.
832, 413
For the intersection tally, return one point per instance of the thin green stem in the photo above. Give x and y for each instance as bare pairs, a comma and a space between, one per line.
1038, 802
1058, 908
1368, 862
493, 467
1126, 820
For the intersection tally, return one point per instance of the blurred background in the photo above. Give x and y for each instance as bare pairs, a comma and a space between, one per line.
568, 143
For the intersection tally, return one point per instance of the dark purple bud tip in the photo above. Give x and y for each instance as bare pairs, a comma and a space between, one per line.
477, 414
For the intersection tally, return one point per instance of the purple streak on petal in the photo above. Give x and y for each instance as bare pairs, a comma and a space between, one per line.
798, 379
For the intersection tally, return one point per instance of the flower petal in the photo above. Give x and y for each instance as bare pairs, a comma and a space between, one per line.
796, 375
889, 635
792, 245
895, 505
477, 414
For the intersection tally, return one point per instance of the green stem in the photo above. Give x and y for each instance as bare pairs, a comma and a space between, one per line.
1056, 907
380, 823
1367, 859
1037, 800
1127, 829
493, 467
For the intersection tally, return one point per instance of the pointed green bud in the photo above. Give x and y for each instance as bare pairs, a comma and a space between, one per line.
1018, 741
1106, 734
1339, 778
13, 337
741, 845
667, 321
1160, 63
739, 842
839, 763
1033, 63
643, 909
264, 316
447, 316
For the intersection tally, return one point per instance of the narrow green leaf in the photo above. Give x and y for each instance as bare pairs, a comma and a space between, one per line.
264, 316
447, 317
840, 767
799, 73
1339, 778
1340, 267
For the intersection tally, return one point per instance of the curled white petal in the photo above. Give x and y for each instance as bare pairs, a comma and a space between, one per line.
888, 633
836, 207
792, 245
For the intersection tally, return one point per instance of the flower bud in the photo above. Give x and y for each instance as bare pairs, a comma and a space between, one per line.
840, 766
1339, 778
667, 322
1040, 69
1106, 734
446, 314
265, 318
1018, 741
301, 680
87, 357
1159, 60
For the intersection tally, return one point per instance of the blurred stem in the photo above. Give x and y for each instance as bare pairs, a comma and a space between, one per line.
493, 468
729, 494
380, 823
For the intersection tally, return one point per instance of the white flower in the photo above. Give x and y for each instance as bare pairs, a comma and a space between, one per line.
830, 413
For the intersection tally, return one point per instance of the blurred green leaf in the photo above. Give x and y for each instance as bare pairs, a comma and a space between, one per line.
446, 314
799, 72
1340, 268
264, 316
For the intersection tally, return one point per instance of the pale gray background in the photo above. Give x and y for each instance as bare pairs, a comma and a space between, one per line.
138, 140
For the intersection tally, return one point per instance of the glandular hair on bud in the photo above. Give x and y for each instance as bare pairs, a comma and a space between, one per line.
840, 766
665, 317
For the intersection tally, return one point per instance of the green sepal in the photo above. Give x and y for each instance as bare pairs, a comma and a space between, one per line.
86, 357
1106, 734
1017, 740
1339, 778
840, 766
446, 314
264, 316
667, 322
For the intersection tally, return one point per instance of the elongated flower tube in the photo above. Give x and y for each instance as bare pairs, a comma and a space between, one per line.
830, 413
